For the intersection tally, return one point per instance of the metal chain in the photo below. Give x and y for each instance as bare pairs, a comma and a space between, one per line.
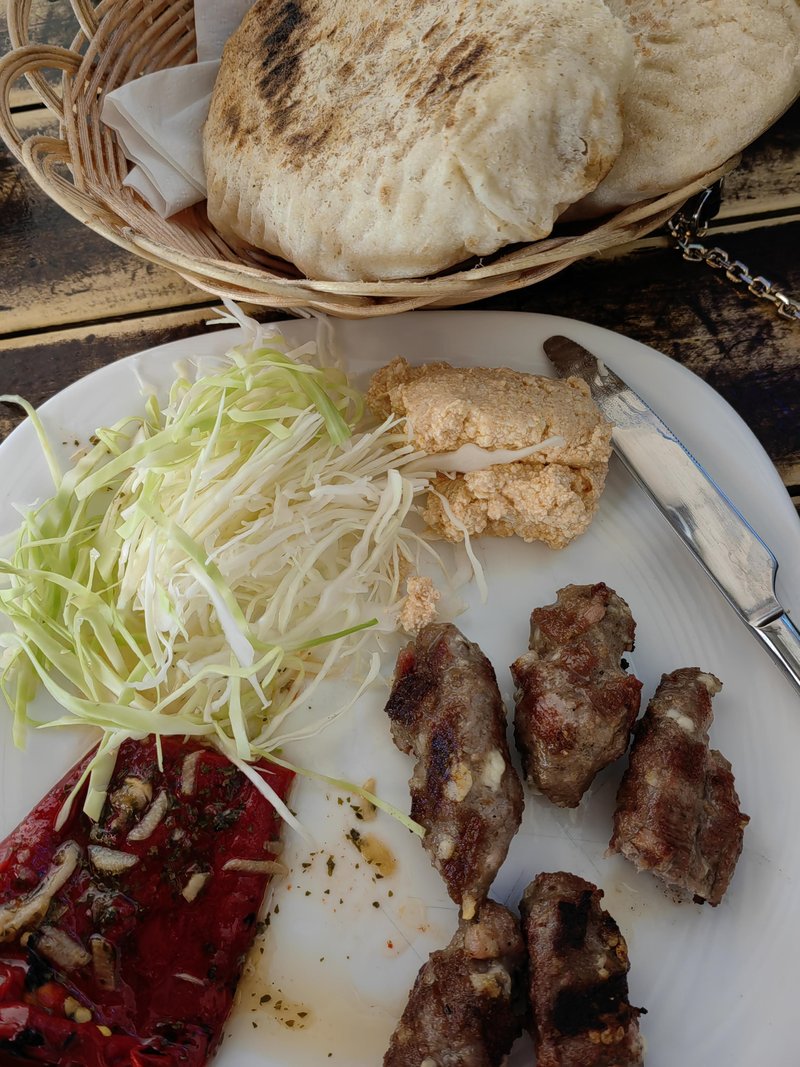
691, 223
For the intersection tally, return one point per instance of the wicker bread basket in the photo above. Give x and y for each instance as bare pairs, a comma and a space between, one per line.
83, 168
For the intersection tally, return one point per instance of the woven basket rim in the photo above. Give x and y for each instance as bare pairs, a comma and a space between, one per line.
113, 45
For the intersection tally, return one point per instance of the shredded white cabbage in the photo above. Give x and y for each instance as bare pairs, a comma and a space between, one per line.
202, 568
477, 569
469, 458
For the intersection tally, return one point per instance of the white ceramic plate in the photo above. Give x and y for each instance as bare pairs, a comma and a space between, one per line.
343, 948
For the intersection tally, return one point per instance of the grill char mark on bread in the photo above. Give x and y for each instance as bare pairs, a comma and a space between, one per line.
289, 32
303, 129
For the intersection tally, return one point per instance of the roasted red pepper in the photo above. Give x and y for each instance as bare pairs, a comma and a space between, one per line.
122, 942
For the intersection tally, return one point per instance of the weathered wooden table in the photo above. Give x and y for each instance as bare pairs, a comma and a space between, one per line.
71, 302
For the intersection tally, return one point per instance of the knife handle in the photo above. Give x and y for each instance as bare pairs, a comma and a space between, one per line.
782, 638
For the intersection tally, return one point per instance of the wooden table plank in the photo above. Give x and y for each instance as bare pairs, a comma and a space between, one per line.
766, 179
65, 272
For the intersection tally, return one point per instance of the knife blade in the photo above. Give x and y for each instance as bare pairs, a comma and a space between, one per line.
733, 555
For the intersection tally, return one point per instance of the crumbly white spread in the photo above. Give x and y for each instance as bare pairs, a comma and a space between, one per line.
550, 495
419, 607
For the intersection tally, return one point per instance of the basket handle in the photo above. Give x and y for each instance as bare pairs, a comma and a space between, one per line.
29, 60
18, 17
41, 157
87, 17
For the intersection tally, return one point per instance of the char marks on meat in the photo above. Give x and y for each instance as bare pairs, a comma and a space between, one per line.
575, 705
677, 808
445, 709
578, 977
467, 1006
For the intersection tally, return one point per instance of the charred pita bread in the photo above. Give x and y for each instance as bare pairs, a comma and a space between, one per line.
711, 76
369, 141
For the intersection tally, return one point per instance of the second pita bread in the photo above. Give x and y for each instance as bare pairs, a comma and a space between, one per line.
711, 76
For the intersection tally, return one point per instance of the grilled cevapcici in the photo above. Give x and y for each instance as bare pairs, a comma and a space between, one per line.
575, 705
468, 1005
578, 977
122, 941
677, 809
445, 709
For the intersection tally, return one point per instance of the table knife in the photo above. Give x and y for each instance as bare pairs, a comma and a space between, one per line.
733, 555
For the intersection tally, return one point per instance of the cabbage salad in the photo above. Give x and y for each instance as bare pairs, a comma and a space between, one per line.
204, 565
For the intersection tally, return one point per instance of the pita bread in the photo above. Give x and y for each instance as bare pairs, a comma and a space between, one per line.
362, 140
711, 76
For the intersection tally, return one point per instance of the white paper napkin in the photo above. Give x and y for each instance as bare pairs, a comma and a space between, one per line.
214, 22
159, 118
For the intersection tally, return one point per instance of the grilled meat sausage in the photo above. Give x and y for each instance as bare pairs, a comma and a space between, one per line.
578, 977
445, 709
575, 706
677, 809
467, 1006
